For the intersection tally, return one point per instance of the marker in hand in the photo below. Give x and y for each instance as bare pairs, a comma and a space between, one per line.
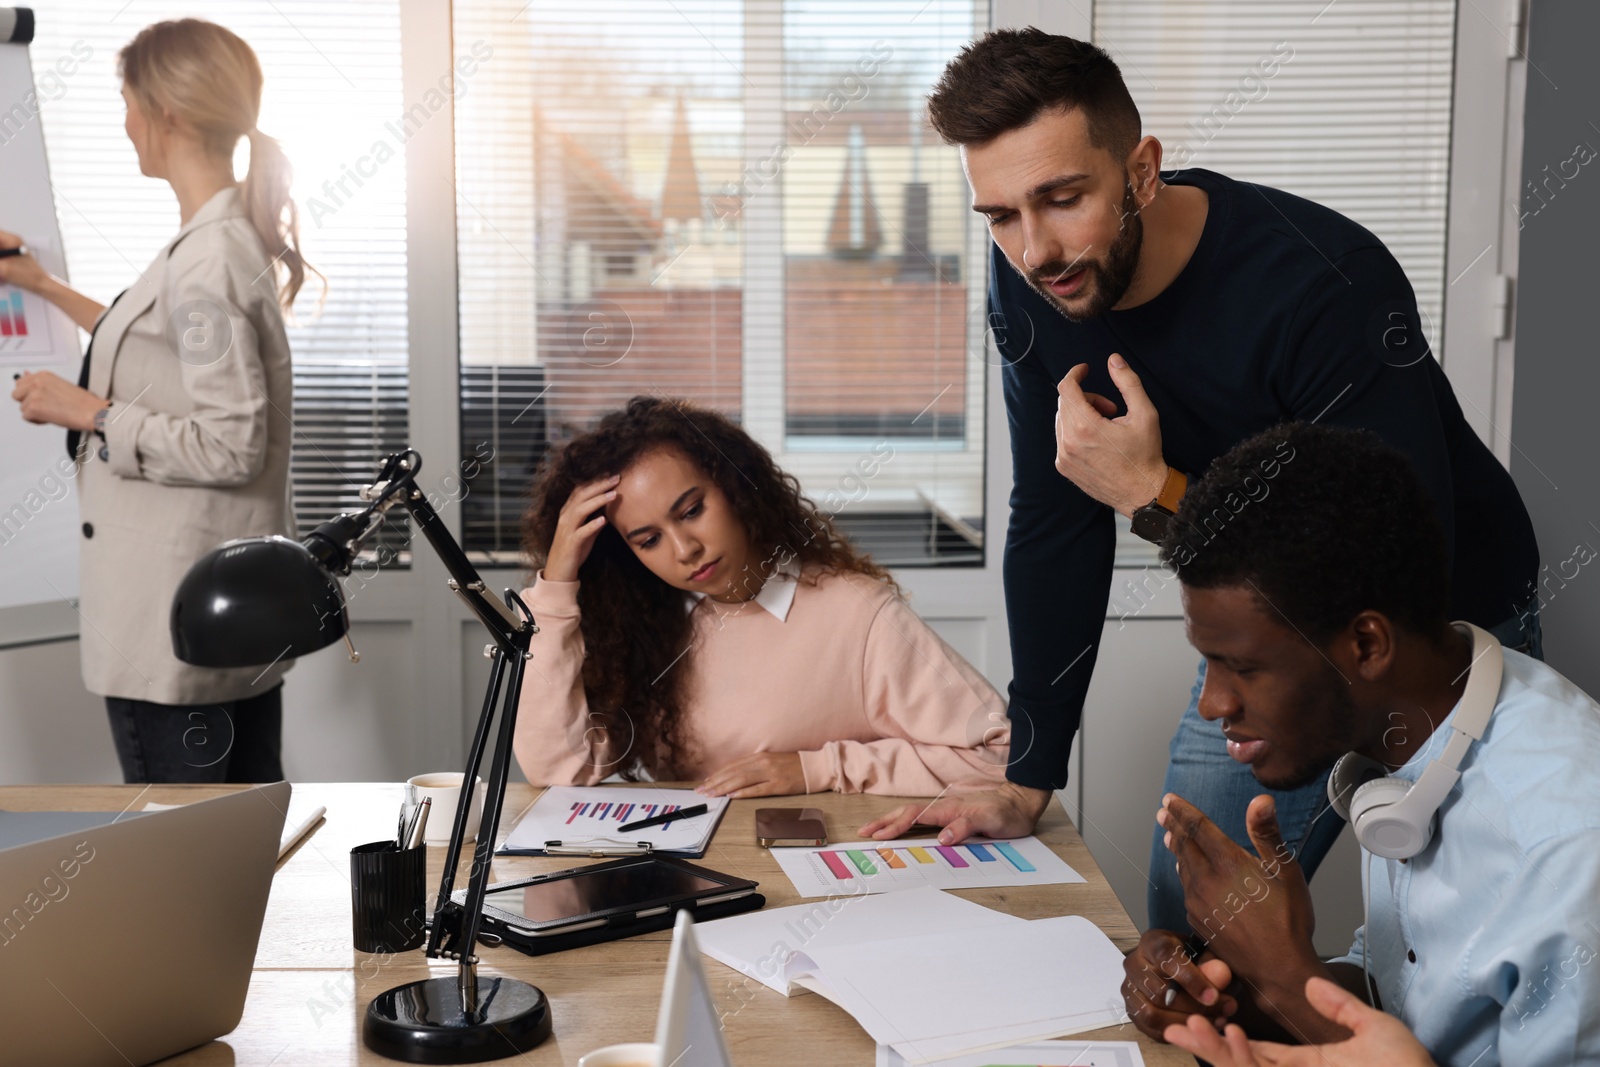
18, 251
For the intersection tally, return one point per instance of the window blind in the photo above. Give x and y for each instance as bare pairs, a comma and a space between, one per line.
1345, 103
332, 83
738, 202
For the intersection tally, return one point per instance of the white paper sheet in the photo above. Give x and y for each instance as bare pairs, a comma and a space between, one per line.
941, 1050
763, 944
1039, 1053
1020, 981
920, 862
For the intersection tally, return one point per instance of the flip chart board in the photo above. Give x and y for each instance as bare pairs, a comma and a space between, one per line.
38, 493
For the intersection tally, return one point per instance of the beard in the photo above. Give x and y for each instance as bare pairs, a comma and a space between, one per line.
1327, 732
1106, 280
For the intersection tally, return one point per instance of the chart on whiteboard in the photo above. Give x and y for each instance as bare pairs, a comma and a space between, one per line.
25, 326
38, 486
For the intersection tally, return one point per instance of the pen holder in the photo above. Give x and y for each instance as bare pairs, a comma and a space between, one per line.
387, 896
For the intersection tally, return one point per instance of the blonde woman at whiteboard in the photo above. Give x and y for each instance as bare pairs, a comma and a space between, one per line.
180, 420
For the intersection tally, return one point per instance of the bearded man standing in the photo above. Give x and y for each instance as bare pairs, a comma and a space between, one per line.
1148, 323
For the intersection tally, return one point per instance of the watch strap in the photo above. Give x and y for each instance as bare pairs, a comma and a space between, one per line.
1172, 490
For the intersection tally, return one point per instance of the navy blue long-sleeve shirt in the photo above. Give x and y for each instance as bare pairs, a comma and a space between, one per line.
1286, 310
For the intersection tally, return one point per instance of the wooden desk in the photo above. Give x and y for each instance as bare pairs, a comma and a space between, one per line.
310, 987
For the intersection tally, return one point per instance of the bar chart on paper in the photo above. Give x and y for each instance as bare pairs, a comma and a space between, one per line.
24, 325
593, 816
885, 866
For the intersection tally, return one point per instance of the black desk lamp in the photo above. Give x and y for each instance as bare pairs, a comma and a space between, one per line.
260, 599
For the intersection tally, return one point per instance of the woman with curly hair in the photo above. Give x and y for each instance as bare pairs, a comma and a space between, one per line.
700, 619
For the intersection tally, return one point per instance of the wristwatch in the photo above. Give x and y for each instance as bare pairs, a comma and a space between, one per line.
1150, 521
104, 451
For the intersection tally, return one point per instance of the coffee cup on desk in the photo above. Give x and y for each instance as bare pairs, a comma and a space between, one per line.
444, 789
635, 1054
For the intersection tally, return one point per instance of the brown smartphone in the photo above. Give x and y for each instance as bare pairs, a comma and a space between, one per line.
790, 826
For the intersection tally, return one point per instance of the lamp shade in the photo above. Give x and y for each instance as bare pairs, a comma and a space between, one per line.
253, 602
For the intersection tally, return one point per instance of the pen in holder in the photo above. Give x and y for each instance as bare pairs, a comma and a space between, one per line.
387, 896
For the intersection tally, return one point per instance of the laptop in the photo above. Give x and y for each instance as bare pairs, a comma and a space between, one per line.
128, 942
688, 1030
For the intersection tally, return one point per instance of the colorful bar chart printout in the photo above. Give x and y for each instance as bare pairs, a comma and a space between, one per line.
885, 866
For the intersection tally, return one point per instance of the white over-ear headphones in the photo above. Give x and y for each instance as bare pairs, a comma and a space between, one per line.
1393, 818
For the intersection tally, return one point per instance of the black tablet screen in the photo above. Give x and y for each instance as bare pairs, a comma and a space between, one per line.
619, 887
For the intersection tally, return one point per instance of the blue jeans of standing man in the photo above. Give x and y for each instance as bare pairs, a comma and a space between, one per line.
1201, 772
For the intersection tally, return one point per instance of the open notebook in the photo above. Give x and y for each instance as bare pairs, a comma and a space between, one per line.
897, 962
586, 820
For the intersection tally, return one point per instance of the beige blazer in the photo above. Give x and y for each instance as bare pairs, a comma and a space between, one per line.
195, 361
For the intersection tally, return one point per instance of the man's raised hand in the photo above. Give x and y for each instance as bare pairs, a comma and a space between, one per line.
1114, 458
1162, 985
1252, 910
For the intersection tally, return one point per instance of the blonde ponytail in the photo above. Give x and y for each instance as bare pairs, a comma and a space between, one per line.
209, 79
273, 212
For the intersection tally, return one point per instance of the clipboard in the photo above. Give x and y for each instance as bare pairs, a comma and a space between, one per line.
583, 821
595, 848
604, 847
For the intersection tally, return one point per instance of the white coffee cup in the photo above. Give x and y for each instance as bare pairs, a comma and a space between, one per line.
635, 1054
444, 788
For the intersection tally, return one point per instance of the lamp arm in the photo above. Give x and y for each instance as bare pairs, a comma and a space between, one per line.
336, 543
340, 539
464, 579
512, 632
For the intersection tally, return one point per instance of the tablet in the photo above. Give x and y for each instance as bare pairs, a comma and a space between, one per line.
606, 901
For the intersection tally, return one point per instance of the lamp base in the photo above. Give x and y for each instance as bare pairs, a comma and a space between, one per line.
422, 1022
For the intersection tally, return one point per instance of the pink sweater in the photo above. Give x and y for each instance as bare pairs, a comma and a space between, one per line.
849, 677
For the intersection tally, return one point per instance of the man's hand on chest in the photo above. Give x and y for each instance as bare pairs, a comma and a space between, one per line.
1114, 458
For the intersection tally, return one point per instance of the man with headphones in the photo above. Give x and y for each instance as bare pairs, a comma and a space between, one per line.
1468, 771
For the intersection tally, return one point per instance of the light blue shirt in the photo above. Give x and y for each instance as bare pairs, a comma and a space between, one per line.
1487, 943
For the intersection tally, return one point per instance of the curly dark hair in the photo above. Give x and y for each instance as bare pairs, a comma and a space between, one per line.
1325, 522
1007, 78
634, 625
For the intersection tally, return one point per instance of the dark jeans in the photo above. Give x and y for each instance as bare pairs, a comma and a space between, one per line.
1201, 771
230, 741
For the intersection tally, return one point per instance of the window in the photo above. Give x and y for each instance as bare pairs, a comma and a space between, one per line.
738, 202
1246, 89
1347, 104
332, 93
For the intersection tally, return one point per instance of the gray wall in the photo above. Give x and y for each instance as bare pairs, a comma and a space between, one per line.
1554, 428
